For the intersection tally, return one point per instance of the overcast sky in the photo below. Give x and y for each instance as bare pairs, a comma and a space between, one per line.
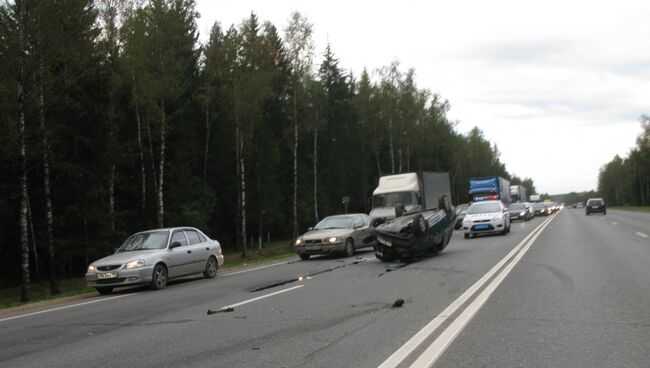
559, 86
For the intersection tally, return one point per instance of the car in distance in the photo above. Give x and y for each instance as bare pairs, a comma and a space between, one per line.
541, 209
521, 211
461, 210
155, 256
595, 205
486, 217
340, 234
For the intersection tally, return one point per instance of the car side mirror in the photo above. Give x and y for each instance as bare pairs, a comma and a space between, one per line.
175, 245
310, 228
505, 210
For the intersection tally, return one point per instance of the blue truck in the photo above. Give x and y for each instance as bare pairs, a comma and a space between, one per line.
490, 188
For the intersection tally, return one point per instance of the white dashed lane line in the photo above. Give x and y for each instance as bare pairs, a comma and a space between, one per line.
641, 234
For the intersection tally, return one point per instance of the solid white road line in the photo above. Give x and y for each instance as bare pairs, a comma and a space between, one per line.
405, 350
65, 307
262, 297
641, 234
440, 344
255, 268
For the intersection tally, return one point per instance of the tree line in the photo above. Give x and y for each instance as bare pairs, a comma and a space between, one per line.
114, 118
625, 181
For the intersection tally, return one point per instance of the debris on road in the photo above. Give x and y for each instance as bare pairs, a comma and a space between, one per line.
398, 303
223, 310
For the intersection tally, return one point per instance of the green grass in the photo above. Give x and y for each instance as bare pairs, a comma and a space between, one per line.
40, 291
633, 208
271, 252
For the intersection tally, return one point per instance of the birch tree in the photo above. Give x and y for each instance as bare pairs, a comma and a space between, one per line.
300, 51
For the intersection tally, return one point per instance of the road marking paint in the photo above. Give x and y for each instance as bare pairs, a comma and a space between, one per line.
615, 223
641, 234
440, 344
262, 297
256, 268
414, 342
65, 307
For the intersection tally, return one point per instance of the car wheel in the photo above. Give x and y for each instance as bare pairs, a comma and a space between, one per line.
466, 236
159, 279
211, 268
604, 212
104, 290
349, 247
505, 229
420, 225
304, 256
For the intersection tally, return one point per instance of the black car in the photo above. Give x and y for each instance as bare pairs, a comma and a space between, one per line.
595, 205
541, 209
521, 211
410, 235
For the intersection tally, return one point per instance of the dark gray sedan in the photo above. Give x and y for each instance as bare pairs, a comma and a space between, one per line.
155, 256
341, 234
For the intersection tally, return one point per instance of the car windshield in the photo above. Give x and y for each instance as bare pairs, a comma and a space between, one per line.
484, 208
142, 241
517, 206
334, 223
392, 199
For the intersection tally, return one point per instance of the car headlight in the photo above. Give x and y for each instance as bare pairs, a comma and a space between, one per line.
498, 218
332, 240
91, 269
298, 241
522, 213
135, 264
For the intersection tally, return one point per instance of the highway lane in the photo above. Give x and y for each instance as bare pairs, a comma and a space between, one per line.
579, 298
339, 316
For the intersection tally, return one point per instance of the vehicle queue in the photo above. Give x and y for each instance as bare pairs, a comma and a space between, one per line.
411, 215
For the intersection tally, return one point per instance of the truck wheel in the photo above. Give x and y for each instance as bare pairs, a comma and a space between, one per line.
304, 256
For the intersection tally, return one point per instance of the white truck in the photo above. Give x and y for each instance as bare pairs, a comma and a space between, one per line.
408, 193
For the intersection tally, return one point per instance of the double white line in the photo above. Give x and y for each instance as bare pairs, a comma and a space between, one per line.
455, 325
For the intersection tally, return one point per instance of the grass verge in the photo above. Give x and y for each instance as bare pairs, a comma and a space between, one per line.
40, 291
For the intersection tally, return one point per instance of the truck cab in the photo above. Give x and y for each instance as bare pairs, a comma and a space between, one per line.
415, 191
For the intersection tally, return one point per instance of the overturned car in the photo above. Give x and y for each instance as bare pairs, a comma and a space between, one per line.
412, 234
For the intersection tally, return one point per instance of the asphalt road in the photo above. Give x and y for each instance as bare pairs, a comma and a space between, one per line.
567, 290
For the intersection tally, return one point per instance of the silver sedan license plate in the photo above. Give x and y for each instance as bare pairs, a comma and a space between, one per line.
107, 275
313, 247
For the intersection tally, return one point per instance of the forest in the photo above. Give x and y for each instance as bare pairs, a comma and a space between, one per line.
626, 181
116, 118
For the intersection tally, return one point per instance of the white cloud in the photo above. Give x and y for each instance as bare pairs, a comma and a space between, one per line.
570, 76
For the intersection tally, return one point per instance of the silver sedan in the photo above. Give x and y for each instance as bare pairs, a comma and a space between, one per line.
155, 256
342, 234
